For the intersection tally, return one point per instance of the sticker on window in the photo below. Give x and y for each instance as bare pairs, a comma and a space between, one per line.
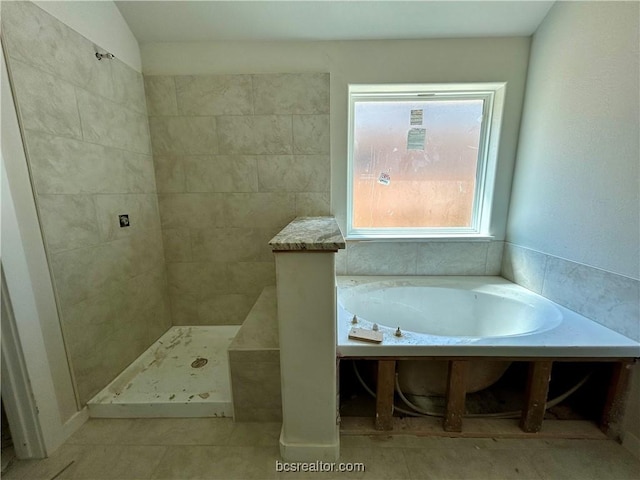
416, 117
415, 138
384, 178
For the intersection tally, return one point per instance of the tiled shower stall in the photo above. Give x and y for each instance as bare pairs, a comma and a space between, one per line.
208, 168
237, 157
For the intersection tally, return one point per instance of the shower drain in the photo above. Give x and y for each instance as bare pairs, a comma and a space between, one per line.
199, 362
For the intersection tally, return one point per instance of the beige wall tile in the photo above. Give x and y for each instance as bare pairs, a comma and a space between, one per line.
183, 135
142, 211
261, 355
311, 134
298, 93
214, 94
68, 221
221, 173
192, 210
135, 172
251, 277
107, 123
140, 252
88, 146
45, 102
313, 204
183, 311
64, 165
35, 37
255, 385
341, 262
170, 174
232, 244
260, 135
177, 245
224, 309
197, 281
128, 87
142, 306
161, 95
91, 371
88, 322
294, 173
262, 210
84, 272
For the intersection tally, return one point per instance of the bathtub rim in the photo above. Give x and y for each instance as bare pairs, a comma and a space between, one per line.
575, 337
485, 290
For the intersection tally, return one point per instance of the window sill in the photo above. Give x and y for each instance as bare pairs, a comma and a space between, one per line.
466, 237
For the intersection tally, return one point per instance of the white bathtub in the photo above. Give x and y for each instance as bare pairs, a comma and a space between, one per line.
467, 316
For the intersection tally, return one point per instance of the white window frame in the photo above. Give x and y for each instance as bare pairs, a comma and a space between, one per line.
493, 95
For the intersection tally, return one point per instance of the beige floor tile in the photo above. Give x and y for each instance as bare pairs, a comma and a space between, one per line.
212, 463
379, 463
116, 463
256, 434
210, 449
92, 462
358, 463
62, 460
102, 431
179, 431
606, 461
469, 464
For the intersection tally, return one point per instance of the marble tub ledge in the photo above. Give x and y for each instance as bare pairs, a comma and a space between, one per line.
311, 234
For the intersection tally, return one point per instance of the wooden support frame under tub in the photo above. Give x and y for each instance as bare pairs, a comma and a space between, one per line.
535, 396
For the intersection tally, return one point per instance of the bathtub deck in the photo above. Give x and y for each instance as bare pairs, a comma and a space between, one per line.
574, 337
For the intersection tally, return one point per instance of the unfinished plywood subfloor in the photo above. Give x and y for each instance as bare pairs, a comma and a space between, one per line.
172, 378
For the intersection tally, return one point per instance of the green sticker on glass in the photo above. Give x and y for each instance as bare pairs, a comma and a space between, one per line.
415, 138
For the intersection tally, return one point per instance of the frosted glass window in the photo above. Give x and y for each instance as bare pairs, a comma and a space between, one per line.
418, 162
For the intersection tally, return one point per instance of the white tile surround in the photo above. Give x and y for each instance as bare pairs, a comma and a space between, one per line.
420, 258
605, 297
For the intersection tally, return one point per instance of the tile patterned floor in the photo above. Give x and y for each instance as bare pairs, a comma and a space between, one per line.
209, 449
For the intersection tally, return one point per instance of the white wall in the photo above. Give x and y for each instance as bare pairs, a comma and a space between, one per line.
576, 193
458, 60
102, 23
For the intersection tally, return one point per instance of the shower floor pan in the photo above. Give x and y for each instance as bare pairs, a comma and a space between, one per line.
185, 373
